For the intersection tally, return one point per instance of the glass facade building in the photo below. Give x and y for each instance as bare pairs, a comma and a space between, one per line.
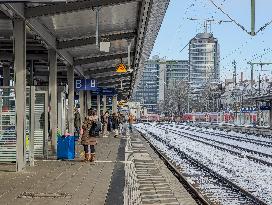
204, 55
150, 90
147, 92
176, 70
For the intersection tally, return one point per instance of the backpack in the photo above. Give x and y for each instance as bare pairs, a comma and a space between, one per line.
95, 129
102, 119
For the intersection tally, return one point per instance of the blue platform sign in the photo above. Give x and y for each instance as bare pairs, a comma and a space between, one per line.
248, 109
96, 91
104, 91
108, 91
265, 107
85, 84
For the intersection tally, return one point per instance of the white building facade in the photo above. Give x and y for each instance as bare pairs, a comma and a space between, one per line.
157, 76
204, 58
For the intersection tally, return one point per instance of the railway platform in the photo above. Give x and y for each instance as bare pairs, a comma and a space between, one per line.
127, 171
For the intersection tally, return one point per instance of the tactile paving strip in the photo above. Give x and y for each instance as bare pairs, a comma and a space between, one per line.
150, 186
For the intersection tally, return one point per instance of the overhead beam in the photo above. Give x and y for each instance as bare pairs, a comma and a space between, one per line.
115, 78
101, 58
8, 56
99, 71
68, 7
3, 15
102, 66
92, 40
115, 83
144, 14
17, 10
104, 71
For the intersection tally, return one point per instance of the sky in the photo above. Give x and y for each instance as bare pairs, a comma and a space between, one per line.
235, 44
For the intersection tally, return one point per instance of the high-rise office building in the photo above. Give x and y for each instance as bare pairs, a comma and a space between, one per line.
204, 55
176, 70
158, 75
147, 92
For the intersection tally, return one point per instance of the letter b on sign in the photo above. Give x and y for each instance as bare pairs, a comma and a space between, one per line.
78, 84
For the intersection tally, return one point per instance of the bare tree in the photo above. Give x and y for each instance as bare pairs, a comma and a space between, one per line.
176, 97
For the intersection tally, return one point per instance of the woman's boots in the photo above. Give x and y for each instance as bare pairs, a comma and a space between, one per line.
87, 157
92, 159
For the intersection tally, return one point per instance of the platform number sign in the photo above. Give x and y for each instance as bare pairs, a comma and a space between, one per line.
85, 84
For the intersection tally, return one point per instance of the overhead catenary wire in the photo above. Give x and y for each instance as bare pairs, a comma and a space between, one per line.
237, 23
264, 27
232, 19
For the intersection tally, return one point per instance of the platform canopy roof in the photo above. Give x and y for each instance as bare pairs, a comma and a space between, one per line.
70, 27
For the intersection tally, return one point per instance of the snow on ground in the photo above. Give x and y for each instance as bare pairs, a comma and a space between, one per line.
236, 134
231, 142
252, 176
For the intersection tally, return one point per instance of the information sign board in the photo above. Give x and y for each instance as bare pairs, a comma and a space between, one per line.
85, 84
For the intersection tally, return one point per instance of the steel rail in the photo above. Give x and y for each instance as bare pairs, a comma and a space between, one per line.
225, 149
196, 195
195, 162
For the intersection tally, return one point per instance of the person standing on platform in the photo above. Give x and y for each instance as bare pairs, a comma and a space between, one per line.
105, 123
121, 122
88, 137
130, 121
93, 133
125, 124
84, 138
77, 122
115, 124
110, 123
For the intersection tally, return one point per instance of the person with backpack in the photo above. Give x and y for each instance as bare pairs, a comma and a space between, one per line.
88, 138
110, 128
115, 124
94, 133
121, 118
131, 120
77, 121
105, 123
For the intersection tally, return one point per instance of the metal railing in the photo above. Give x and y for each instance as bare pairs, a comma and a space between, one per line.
7, 125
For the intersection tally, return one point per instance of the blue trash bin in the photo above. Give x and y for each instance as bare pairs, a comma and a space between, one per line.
66, 147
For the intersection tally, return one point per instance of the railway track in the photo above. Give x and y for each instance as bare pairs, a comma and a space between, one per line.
246, 197
235, 147
241, 139
197, 196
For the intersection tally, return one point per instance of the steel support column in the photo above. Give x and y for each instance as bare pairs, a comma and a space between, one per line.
32, 124
53, 96
104, 103
89, 99
252, 18
86, 103
19, 34
82, 106
31, 83
98, 106
114, 104
32, 98
71, 91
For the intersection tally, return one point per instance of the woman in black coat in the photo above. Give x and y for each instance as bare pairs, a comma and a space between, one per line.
115, 124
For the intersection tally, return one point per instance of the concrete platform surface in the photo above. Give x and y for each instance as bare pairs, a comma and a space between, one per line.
127, 171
